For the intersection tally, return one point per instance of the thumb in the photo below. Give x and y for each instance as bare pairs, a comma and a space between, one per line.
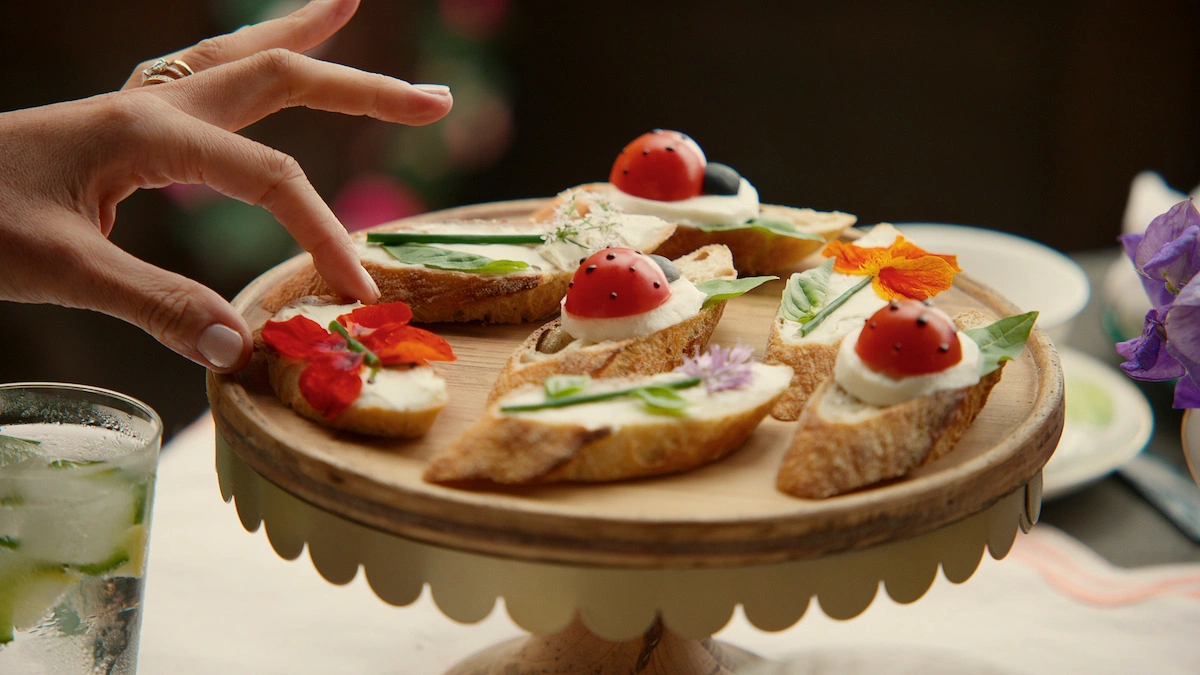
188, 317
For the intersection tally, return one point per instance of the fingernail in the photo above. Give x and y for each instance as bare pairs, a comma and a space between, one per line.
371, 282
437, 89
221, 345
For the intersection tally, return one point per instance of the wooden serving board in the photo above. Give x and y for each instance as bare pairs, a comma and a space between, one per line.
725, 514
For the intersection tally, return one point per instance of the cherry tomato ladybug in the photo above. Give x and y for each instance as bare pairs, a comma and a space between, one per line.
666, 166
616, 282
908, 338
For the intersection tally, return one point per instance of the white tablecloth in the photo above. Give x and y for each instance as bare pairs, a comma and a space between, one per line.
219, 600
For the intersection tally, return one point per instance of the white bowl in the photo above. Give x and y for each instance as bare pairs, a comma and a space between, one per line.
1031, 275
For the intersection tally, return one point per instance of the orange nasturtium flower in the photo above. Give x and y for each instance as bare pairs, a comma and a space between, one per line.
373, 336
902, 270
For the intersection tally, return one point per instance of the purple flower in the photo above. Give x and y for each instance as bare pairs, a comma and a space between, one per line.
721, 368
1146, 357
1166, 255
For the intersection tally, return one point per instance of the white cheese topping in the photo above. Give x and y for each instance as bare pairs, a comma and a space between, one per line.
857, 309
400, 388
881, 390
684, 303
571, 236
767, 382
702, 210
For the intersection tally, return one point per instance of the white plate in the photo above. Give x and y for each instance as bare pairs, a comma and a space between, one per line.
1108, 421
1031, 275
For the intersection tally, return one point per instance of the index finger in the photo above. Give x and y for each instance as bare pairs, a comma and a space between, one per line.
173, 147
302, 30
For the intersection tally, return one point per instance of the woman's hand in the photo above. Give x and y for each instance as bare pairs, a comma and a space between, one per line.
65, 167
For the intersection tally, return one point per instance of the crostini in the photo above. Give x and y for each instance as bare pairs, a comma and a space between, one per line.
666, 174
509, 271
629, 313
575, 428
355, 368
907, 385
821, 305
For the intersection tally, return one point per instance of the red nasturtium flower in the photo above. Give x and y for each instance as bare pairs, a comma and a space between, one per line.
902, 270
375, 336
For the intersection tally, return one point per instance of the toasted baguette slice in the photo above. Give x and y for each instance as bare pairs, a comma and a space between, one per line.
439, 295
842, 443
811, 363
609, 440
755, 251
401, 401
552, 351
812, 357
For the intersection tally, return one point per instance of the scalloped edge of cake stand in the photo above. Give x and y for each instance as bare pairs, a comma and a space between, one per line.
619, 604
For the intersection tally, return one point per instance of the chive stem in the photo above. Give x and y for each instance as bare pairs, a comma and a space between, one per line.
369, 356
840, 300
590, 398
395, 238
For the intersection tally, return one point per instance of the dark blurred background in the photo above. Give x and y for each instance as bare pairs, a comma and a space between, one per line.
1028, 117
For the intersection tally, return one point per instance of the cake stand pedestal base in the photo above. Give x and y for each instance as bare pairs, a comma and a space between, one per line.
577, 650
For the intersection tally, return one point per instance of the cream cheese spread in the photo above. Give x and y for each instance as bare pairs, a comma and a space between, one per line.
702, 210
571, 237
767, 382
856, 309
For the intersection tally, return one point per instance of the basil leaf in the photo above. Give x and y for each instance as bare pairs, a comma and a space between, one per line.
661, 400
446, 259
1002, 340
724, 289
777, 227
558, 386
805, 292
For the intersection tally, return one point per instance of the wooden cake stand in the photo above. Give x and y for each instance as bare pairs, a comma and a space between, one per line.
630, 576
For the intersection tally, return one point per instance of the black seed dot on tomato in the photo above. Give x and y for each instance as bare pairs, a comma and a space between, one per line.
922, 320
894, 305
611, 256
658, 284
896, 347
645, 151
873, 324
571, 284
632, 268
582, 260
670, 148
928, 302
590, 269
613, 295
943, 348
625, 172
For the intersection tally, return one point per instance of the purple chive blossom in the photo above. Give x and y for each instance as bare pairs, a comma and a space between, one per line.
1167, 257
721, 368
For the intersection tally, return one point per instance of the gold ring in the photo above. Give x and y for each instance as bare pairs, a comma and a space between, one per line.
163, 70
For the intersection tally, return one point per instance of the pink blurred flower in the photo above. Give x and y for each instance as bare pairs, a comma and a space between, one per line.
371, 199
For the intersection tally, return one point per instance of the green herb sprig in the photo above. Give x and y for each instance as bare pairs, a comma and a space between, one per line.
399, 238
659, 398
369, 357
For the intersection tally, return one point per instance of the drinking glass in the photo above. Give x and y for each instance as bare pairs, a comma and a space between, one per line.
77, 469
